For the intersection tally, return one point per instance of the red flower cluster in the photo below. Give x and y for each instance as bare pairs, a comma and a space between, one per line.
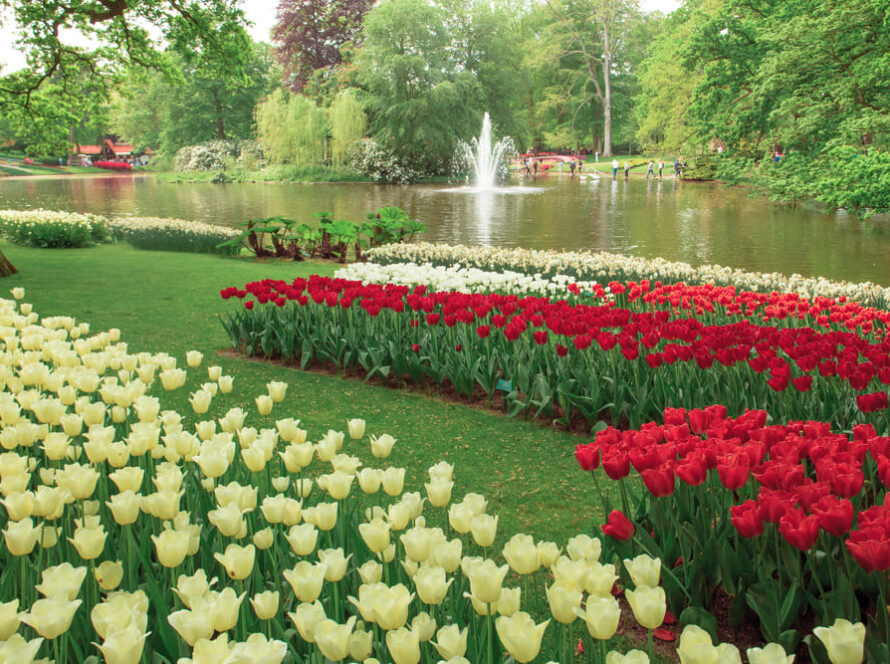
658, 337
113, 165
800, 476
791, 307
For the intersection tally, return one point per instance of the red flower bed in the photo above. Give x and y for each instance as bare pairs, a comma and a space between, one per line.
113, 165
737, 502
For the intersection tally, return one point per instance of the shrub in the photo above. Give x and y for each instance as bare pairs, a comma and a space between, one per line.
53, 229
220, 156
371, 159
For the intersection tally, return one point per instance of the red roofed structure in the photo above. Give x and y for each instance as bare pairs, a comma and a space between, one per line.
108, 150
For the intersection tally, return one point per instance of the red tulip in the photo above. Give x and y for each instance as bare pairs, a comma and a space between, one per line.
618, 526
746, 519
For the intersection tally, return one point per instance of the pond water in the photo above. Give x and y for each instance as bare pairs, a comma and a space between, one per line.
691, 222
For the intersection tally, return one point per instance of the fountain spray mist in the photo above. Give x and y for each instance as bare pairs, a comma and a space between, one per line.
483, 158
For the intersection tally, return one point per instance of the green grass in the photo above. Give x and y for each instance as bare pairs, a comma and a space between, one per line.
270, 174
170, 301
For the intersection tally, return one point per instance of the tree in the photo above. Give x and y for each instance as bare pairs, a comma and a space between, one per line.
120, 33
431, 70
596, 31
192, 102
348, 124
292, 129
308, 35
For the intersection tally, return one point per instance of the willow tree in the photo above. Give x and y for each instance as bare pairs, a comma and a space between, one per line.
292, 129
119, 32
348, 124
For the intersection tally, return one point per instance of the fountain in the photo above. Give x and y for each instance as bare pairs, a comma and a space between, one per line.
484, 158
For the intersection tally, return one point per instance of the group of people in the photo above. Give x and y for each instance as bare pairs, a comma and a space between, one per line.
679, 165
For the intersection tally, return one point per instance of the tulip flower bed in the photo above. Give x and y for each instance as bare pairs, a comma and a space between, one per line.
113, 165
568, 360
51, 229
159, 234
790, 521
138, 532
604, 267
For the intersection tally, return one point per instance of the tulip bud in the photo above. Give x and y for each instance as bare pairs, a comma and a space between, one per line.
306, 617
484, 528
265, 604
451, 642
109, 574
225, 384
335, 563
403, 645
486, 579
844, 641
393, 481
563, 602
360, 644
306, 580
214, 372
277, 390
648, 604
644, 570
264, 404
439, 491
772, 653
237, 560
333, 639
193, 358
382, 447
520, 636
171, 547
601, 615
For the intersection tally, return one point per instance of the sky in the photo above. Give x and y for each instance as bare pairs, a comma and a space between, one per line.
260, 12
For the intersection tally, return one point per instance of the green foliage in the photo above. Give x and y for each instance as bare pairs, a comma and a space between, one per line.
284, 238
431, 69
194, 101
348, 125
291, 128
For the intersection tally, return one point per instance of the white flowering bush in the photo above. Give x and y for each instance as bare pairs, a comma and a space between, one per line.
53, 229
464, 279
605, 267
373, 160
173, 234
219, 156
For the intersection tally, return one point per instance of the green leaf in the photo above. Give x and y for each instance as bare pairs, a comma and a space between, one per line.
696, 615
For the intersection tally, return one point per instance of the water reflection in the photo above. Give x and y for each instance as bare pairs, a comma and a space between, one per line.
681, 221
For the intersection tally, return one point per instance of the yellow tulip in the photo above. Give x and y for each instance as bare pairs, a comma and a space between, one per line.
56, 446
171, 547
306, 617
431, 584
192, 587
438, 491
332, 638
324, 516
224, 607
360, 644
127, 479
460, 518
214, 372
484, 528
584, 547
844, 641
289, 430
9, 619
51, 617
644, 570
424, 626
570, 573
381, 446
297, 456
521, 554
771, 653
62, 580
265, 604
124, 646
193, 358
563, 602
258, 649
306, 580
520, 636
486, 579
548, 553
277, 389
264, 404
78, 480
600, 579
17, 649
192, 625
369, 480
601, 615
264, 539
648, 605
229, 520
390, 605
403, 646
238, 560
200, 400
371, 572
118, 611
337, 484
303, 538
109, 574
21, 536
335, 563
447, 555
225, 384
451, 642
356, 428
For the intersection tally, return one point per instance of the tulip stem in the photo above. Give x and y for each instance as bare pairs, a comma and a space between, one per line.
651, 647
490, 635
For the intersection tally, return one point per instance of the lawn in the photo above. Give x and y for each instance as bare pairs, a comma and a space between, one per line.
170, 301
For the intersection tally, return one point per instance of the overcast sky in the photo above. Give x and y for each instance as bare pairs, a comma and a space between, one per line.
260, 12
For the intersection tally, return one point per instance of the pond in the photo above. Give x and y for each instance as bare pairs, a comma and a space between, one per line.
691, 222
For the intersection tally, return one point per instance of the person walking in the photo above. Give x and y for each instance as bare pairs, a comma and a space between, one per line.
614, 169
676, 167
650, 170
660, 169
535, 166
571, 166
626, 170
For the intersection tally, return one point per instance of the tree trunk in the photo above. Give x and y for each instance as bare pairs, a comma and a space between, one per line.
607, 97
7, 269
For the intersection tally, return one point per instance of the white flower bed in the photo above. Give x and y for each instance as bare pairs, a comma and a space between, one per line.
604, 267
463, 279
52, 228
171, 234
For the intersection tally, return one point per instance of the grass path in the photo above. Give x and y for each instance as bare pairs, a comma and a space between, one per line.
170, 301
